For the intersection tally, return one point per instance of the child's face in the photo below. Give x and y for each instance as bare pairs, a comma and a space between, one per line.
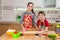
30, 7
41, 16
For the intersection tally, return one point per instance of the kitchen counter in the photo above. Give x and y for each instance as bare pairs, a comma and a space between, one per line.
28, 35
5, 37
16, 25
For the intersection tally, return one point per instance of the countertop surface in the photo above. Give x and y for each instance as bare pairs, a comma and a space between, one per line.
5, 37
26, 37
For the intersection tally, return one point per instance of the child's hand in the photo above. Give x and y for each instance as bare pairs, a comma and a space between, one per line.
24, 29
38, 29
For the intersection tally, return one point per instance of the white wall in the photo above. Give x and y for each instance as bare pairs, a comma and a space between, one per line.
38, 3
0, 10
9, 14
50, 3
58, 3
23, 3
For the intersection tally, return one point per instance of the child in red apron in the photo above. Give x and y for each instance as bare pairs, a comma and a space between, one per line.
42, 23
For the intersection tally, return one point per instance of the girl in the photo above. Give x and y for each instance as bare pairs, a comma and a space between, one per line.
27, 20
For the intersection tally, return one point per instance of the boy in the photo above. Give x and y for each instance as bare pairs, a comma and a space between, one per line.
42, 25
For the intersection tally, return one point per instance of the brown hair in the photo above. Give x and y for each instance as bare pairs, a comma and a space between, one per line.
32, 9
41, 12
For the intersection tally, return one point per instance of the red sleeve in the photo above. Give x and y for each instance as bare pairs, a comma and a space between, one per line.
38, 23
46, 23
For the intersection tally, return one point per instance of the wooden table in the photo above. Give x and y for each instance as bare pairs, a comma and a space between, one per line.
24, 37
5, 37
